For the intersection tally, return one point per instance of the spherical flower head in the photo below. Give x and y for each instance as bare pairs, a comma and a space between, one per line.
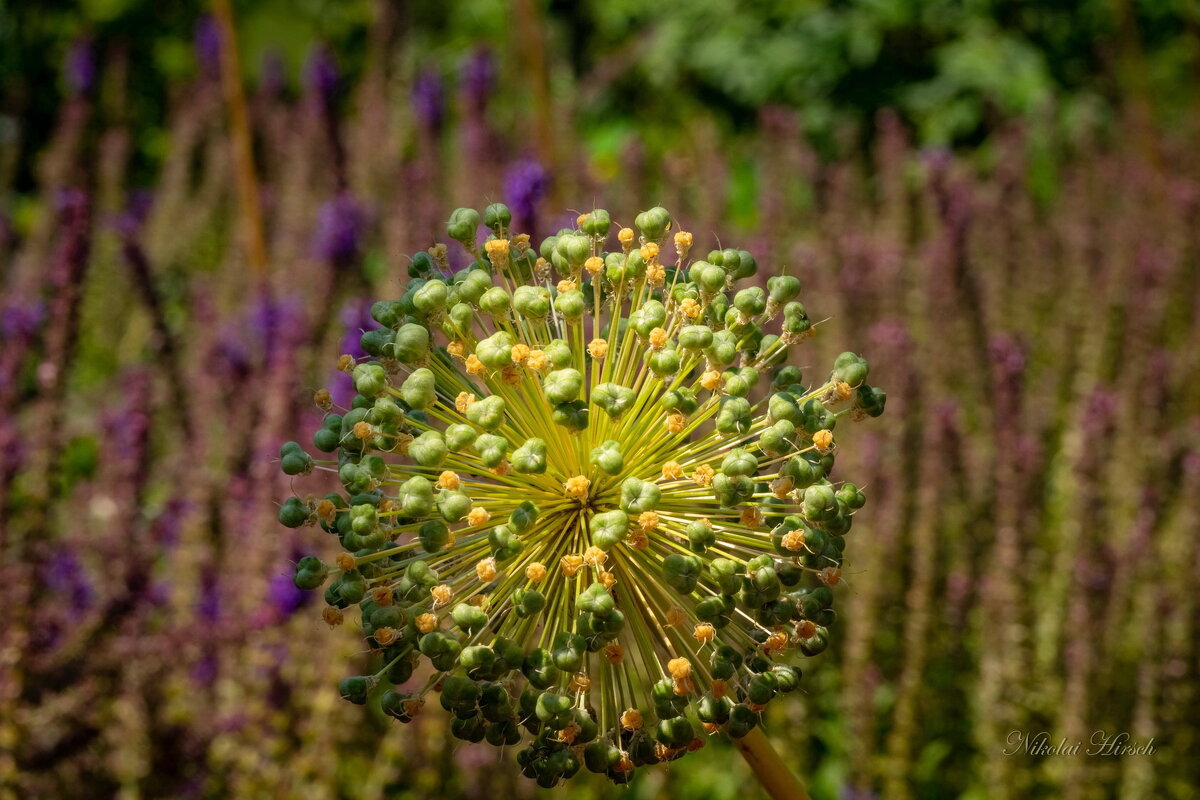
585, 492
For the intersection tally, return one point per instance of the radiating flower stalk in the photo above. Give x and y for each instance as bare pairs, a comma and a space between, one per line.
589, 489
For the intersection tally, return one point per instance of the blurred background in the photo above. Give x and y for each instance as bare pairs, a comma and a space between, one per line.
996, 202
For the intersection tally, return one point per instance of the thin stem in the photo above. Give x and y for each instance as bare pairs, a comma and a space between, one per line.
778, 781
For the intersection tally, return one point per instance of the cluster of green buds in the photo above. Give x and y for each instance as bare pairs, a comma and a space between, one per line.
588, 503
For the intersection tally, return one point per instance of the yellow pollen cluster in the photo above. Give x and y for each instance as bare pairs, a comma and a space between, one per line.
648, 520
598, 348
823, 440
594, 556
441, 594
656, 275
537, 360
520, 353
658, 338
570, 565
485, 569
477, 516
649, 251
594, 265
474, 366
703, 475
625, 237
426, 623
689, 308
683, 243
679, 668
448, 480
793, 540
704, 632
577, 487
497, 253
536, 572
672, 471
710, 380
631, 719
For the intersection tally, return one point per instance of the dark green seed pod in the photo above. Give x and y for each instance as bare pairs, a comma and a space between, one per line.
355, 689
294, 513
462, 226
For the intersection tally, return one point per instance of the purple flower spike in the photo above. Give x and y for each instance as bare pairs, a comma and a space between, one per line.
80, 67
321, 74
207, 42
341, 224
478, 76
525, 186
66, 577
428, 99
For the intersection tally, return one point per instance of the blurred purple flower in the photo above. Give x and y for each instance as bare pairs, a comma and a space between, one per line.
79, 67
356, 318
284, 598
66, 577
525, 185
428, 99
167, 523
208, 605
20, 320
478, 76
321, 74
207, 43
137, 210
340, 227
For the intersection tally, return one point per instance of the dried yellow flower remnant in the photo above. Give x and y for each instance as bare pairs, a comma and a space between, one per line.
823, 440
631, 719
570, 565
485, 569
683, 243
332, 616
594, 265
448, 480
689, 308
598, 348
426, 623
658, 338
497, 253
520, 353
679, 668
649, 251
608, 579
675, 616
463, 402
704, 632
703, 475
614, 653
776, 643
638, 540
676, 422
752, 517
474, 366
345, 562
577, 487
782, 487
580, 682
363, 430
477, 516
457, 348
793, 540
536, 572
566, 285
625, 237
672, 471
594, 556
441, 594
648, 520
710, 380
385, 636
537, 360
719, 688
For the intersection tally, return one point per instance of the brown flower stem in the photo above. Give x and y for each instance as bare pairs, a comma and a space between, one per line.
777, 780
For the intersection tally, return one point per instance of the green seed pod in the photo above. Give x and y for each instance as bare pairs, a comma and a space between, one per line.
412, 343
528, 602
676, 732
310, 573
570, 304
474, 286
573, 416
355, 688
505, 544
574, 248
428, 449
530, 457
329, 436
487, 413
370, 380
741, 721
539, 669
496, 351
723, 349
596, 223
682, 572
751, 301
638, 495
730, 490
387, 313
653, 224
563, 385
568, 650
777, 439
559, 353
496, 301
734, 415
760, 587
739, 461
431, 298
783, 405
355, 478
815, 644
609, 527
614, 399
532, 302
795, 319
652, 314
700, 537
470, 729
497, 216
294, 513
459, 436
433, 535
714, 710
802, 471
851, 496
695, 338
782, 289
850, 368
819, 502
709, 277
786, 376
870, 400
727, 574
682, 400
471, 619
608, 458
453, 505
462, 226
416, 497
716, 610
664, 363
523, 516
492, 449
600, 756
